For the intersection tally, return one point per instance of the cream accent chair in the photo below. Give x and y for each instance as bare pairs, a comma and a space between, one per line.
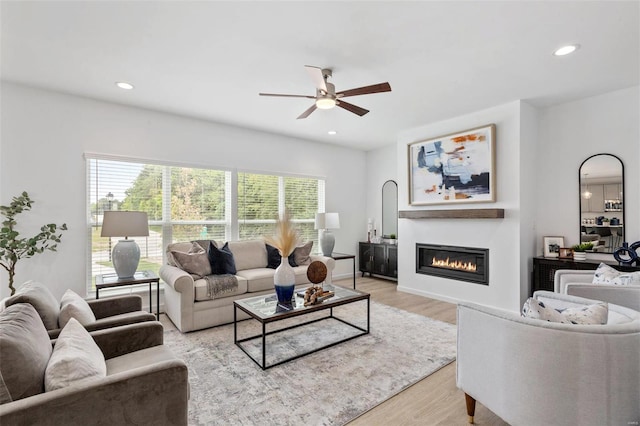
533, 372
579, 283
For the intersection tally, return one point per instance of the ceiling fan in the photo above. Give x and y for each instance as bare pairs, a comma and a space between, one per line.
326, 96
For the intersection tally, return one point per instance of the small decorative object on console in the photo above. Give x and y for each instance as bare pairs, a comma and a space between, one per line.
628, 250
552, 246
580, 249
566, 253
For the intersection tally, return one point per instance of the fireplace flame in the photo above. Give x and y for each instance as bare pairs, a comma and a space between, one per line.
461, 266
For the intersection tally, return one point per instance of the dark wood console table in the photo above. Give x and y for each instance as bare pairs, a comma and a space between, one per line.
379, 259
544, 269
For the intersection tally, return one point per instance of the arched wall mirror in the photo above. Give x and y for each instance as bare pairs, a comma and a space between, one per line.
602, 202
390, 209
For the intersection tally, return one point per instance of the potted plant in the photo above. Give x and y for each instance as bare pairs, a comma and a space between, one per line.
13, 247
579, 250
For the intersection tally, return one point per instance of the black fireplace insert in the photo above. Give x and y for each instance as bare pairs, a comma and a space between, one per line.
459, 263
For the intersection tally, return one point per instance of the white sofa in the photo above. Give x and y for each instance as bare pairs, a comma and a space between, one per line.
579, 283
186, 300
533, 372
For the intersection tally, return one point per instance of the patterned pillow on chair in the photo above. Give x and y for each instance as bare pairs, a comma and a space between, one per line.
605, 274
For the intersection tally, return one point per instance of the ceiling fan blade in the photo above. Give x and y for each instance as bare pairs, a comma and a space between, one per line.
286, 96
351, 107
308, 112
316, 75
374, 88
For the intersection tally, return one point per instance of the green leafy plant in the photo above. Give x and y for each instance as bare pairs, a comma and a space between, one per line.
392, 236
13, 247
582, 247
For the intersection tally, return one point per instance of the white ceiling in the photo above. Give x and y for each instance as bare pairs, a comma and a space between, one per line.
210, 59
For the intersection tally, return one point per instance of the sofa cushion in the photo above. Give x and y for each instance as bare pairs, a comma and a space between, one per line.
25, 349
249, 254
196, 261
301, 254
606, 274
74, 306
221, 260
586, 314
258, 279
76, 358
41, 299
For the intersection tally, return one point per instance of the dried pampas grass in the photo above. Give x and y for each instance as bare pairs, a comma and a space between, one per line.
285, 237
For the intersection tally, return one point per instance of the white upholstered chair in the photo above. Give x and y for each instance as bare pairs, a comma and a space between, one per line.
579, 283
533, 372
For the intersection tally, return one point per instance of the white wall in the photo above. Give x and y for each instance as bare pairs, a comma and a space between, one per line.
382, 165
571, 132
44, 135
501, 236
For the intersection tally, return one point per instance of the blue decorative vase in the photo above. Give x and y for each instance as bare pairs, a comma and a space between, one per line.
284, 280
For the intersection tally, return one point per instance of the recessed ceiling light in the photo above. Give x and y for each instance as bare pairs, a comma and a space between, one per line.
565, 50
332, 132
124, 85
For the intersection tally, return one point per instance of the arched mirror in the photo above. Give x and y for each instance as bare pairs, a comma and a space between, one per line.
602, 202
390, 209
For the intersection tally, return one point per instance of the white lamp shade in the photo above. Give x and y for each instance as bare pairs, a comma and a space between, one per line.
327, 221
125, 224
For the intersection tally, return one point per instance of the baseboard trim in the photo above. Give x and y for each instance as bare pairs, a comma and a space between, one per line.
428, 294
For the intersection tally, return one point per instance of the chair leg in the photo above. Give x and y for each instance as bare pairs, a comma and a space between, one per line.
471, 407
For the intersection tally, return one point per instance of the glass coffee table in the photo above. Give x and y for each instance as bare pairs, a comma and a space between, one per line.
266, 310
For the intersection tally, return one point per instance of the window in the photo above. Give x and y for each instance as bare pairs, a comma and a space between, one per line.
188, 203
262, 197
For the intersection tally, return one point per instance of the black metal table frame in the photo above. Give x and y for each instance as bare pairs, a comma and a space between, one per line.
264, 333
345, 256
133, 281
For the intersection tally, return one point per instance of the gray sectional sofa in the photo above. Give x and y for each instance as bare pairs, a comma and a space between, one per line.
188, 302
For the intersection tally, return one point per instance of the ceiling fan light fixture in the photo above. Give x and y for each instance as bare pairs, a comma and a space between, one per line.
565, 50
325, 103
124, 85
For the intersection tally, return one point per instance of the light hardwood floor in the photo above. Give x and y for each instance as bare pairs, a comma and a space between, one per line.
434, 400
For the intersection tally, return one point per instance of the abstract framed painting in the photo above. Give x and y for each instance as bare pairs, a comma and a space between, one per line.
453, 169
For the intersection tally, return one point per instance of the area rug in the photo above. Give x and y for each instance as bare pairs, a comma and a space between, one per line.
329, 387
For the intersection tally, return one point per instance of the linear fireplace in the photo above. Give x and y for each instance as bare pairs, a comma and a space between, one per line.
458, 263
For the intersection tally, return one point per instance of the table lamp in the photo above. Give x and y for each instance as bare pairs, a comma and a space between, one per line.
126, 253
326, 222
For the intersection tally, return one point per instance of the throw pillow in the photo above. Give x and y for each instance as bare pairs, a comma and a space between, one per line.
25, 349
204, 244
605, 274
74, 306
587, 314
274, 258
195, 262
41, 299
301, 254
221, 260
76, 358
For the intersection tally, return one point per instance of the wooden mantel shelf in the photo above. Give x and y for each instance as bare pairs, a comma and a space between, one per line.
452, 214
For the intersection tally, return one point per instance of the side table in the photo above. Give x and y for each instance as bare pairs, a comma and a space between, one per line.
140, 277
343, 256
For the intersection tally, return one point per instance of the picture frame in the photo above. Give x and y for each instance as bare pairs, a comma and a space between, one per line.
453, 169
552, 246
565, 253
